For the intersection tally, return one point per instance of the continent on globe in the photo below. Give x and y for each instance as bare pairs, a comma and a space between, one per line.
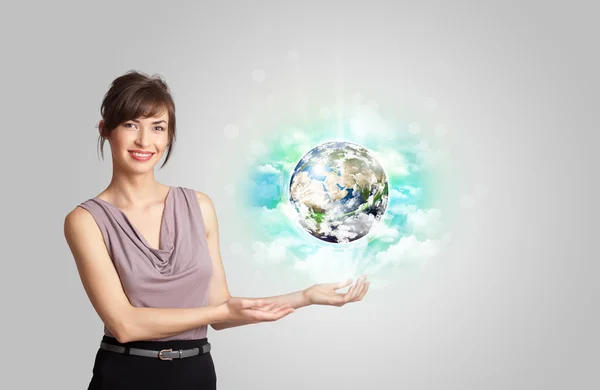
339, 191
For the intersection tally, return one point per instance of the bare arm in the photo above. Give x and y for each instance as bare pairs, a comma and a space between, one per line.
295, 299
103, 287
219, 291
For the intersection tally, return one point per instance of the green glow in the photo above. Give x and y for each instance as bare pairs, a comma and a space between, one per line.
412, 189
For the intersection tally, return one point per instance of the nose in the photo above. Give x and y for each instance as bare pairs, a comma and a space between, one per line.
143, 139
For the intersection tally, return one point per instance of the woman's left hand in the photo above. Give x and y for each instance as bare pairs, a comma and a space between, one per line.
325, 294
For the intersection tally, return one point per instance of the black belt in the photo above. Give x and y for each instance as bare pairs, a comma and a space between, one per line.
163, 354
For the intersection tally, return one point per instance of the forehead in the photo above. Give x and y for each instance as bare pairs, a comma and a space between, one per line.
162, 115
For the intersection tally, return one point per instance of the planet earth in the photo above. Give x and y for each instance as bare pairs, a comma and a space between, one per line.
339, 192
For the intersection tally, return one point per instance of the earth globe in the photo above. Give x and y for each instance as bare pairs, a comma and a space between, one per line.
339, 192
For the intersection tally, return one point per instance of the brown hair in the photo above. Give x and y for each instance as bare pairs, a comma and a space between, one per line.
135, 95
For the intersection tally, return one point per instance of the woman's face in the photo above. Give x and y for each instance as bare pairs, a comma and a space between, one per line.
138, 145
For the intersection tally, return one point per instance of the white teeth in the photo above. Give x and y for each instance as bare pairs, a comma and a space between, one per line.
141, 155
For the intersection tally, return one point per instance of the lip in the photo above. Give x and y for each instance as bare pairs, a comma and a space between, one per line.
140, 158
139, 151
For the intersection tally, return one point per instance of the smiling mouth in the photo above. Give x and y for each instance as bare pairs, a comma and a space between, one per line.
141, 155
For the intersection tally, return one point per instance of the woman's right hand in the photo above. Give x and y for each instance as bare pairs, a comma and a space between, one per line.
253, 310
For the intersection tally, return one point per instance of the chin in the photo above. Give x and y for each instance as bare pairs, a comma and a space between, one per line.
138, 166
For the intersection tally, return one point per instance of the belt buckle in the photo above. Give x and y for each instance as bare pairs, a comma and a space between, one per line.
164, 358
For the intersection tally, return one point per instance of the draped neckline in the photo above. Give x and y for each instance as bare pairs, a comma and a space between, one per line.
165, 245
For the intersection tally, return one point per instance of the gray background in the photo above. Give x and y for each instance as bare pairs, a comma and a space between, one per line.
511, 302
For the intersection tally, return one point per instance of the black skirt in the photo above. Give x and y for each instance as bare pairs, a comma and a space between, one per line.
116, 371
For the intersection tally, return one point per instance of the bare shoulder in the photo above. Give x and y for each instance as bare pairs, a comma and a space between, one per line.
78, 218
208, 212
204, 199
97, 272
80, 227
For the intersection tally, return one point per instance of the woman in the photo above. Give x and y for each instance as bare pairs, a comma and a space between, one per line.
149, 259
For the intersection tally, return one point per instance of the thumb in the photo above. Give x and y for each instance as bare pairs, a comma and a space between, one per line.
342, 284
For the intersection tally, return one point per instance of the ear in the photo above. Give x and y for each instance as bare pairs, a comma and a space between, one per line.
101, 126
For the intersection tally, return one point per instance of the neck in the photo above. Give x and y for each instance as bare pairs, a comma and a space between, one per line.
134, 190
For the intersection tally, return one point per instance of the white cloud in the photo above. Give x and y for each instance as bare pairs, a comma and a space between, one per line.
282, 248
395, 194
399, 193
424, 221
421, 222
300, 265
392, 162
329, 265
268, 168
288, 166
399, 208
412, 190
283, 213
407, 250
384, 232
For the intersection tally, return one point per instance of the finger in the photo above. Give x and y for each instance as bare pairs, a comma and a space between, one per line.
353, 293
350, 294
362, 287
278, 308
256, 315
363, 291
256, 303
269, 316
342, 284
267, 307
337, 300
284, 311
278, 316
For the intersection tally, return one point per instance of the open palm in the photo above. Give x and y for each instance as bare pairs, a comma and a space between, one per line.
326, 294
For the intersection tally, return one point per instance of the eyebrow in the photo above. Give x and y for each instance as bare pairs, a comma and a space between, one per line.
154, 123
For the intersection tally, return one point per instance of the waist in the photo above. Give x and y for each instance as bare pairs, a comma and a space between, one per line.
158, 345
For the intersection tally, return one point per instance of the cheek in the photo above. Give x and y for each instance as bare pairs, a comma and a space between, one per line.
163, 143
119, 143
122, 142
